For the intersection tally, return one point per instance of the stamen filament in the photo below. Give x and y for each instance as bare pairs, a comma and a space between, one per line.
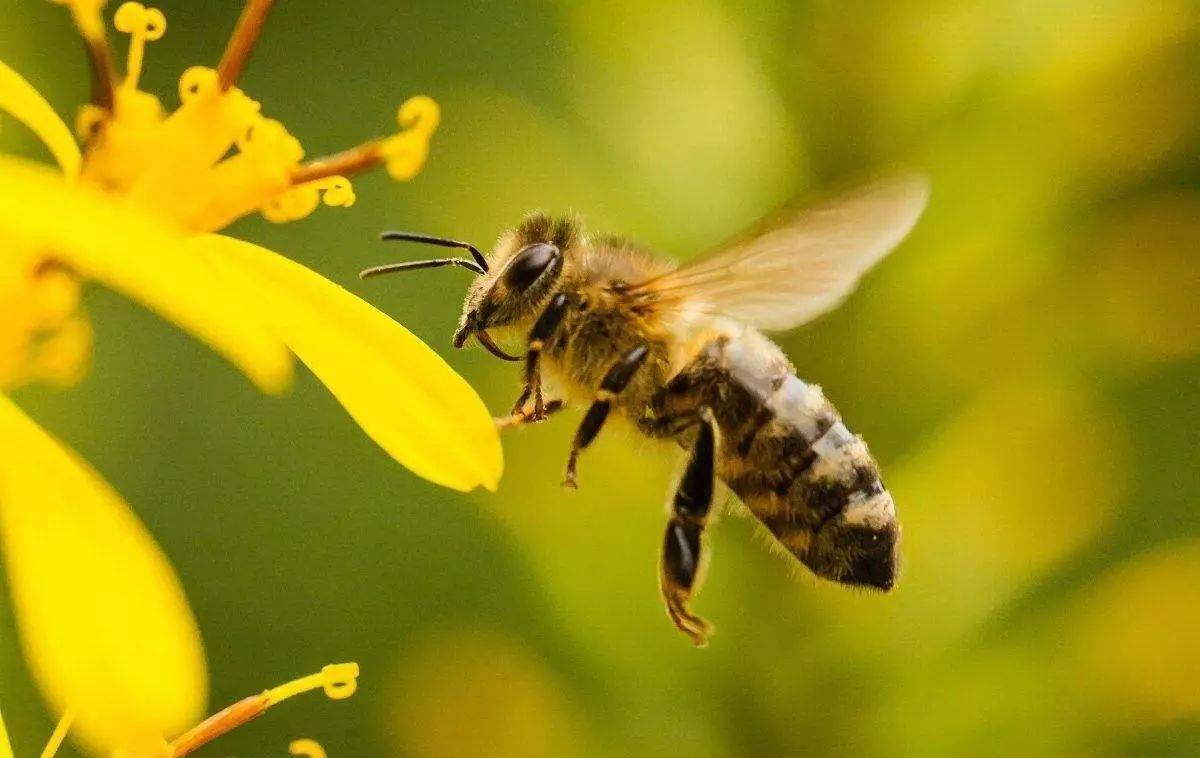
241, 42
339, 681
222, 722
133, 67
59, 734
355, 160
143, 25
86, 16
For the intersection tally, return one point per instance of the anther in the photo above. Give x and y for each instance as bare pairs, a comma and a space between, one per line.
403, 154
339, 681
142, 24
307, 748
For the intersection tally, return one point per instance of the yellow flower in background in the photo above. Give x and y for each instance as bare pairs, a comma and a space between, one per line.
464, 692
136, 209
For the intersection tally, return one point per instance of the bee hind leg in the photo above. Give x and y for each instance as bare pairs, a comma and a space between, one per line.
684, 556
613, 383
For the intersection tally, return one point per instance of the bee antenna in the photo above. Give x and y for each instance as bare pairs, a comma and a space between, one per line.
391, 268
439, 241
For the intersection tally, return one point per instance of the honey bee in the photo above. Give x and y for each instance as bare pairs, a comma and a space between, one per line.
678, 350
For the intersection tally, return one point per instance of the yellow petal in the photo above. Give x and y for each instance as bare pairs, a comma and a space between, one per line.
403, 395
102, 617
27, 105
114, 243
5, 746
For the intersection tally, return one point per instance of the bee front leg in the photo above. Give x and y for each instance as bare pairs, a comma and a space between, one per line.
613, 383
520, 418
683, 556
543, 329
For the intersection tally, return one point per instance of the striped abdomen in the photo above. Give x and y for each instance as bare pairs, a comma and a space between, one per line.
786, 453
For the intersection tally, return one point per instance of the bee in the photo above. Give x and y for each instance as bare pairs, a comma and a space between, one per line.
680, 351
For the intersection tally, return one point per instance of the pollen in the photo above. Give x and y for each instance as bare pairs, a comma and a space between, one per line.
216, 157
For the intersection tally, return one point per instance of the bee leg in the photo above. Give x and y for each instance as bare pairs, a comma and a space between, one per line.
520, 418
683, 556
613, 383
543, 329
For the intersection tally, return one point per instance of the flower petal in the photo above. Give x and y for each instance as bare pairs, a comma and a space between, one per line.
402, 393
102, 617
116, 244
26, 104
6, 750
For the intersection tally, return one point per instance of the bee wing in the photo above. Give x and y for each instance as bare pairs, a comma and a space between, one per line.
802, 264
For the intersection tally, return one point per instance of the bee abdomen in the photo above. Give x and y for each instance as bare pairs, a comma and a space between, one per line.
787, 454
803, 466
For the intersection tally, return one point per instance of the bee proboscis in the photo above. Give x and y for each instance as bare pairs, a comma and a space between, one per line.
679, 351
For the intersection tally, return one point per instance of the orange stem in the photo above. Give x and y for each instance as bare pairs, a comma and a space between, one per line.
241, 42
244, 710
355, 160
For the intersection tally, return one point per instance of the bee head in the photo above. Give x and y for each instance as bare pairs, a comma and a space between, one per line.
859, 547
522, 270
511, 284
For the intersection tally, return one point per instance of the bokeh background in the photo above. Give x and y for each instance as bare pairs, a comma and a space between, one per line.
1025, 368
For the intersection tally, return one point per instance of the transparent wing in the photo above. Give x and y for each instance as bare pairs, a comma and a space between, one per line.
801, 264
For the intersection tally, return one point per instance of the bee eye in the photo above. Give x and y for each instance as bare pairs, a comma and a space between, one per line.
529, 265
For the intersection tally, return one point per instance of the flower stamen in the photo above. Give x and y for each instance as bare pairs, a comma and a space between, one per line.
353, 161
404, 154
59, 734
86, 15
142, 24
339, 681
241, 42
307, 748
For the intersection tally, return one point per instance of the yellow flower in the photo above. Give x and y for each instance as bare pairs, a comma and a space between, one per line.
103, 619
135, 209
338, 681
104, 622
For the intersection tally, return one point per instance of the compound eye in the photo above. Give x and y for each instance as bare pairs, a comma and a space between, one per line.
529, 265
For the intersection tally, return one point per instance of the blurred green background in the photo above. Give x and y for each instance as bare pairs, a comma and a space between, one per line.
1025, 368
